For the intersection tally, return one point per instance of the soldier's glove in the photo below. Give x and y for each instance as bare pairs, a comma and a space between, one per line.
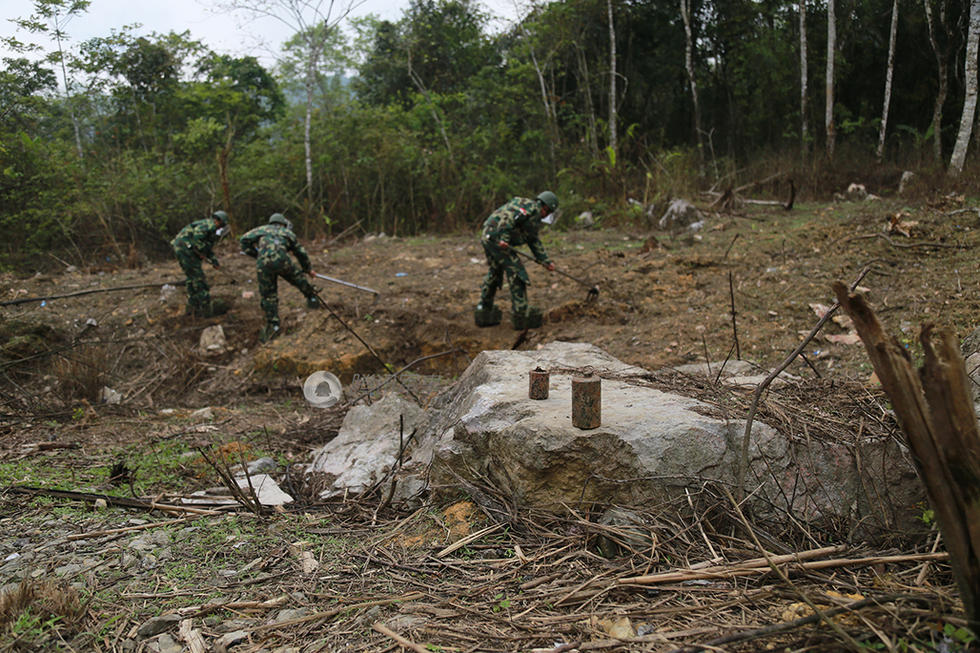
215, 264
550, 267
502, 245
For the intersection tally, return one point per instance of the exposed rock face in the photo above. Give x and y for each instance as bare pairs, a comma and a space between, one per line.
650, 446
680, 214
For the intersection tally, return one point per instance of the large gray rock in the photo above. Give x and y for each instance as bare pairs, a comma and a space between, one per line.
650, 447
367, 446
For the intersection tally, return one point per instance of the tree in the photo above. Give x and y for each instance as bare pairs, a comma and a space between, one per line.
313, 27
893, 32
958, 157
613, 99
691, 78
831, 55
941, 54
51, 17
804, 122
235, 96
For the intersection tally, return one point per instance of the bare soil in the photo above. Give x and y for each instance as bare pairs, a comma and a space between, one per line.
664, 299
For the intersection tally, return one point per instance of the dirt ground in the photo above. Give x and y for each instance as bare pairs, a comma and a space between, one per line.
664, 299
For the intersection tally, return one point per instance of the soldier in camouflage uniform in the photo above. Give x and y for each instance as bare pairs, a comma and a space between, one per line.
193, 244
515, 223
270, 245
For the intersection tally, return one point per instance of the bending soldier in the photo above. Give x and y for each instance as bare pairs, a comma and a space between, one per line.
270, 245
515, 223
193, 244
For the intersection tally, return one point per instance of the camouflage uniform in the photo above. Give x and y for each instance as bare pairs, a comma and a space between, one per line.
515, 223
195, 243
270, 245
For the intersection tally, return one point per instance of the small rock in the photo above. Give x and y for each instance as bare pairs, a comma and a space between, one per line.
165, 644
857, 193
679, 215
100, 504
289, 614
908, 178
228, 640
109, 396
213, 339
206, 413
157, 625
261, 466
70, 569
585, 219
266, 489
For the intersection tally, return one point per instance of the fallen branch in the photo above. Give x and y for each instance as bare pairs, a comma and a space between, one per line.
27, 300
92, 497
407, 643
743, 462
786, 626
904, 245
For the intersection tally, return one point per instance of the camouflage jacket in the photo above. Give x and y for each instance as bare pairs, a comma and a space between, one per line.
516, 223
200, 237
273, 241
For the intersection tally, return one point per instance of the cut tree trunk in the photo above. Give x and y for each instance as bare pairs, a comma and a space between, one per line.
935, 410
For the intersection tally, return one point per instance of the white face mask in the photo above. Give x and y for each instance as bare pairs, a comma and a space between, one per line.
221, 231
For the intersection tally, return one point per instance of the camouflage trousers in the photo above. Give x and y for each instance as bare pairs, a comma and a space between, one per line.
502, 263
198, 292
269, 269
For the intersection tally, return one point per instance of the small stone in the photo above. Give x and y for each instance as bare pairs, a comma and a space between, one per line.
228, 640
166, 644
289, 614
157, 625
203, 414
100, 504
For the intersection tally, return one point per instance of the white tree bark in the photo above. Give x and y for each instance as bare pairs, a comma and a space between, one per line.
831, 54
691, 79
804, 122
613, 101
958, 157
888, 80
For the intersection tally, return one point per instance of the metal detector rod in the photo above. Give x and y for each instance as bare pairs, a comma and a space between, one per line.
593, 289
345, 283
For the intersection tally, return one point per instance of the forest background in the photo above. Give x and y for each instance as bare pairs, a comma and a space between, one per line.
425, 124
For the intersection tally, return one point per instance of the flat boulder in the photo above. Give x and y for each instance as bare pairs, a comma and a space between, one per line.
651, 446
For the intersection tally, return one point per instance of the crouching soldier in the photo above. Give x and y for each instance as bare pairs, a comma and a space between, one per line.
271, 245
513, 224
193, 244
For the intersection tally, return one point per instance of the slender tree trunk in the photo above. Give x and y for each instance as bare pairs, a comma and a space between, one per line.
549, 111
68, 100
831, 54
892, 37
223, 155
691, 80
613, 145
943, 81
307, 146
593, 131
804, 122
958, 157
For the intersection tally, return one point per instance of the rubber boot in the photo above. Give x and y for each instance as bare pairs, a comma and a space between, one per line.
532, 319
269, 332
486, 317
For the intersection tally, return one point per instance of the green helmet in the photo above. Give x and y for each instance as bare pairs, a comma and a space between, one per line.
549, 199
278, 218
220, 216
